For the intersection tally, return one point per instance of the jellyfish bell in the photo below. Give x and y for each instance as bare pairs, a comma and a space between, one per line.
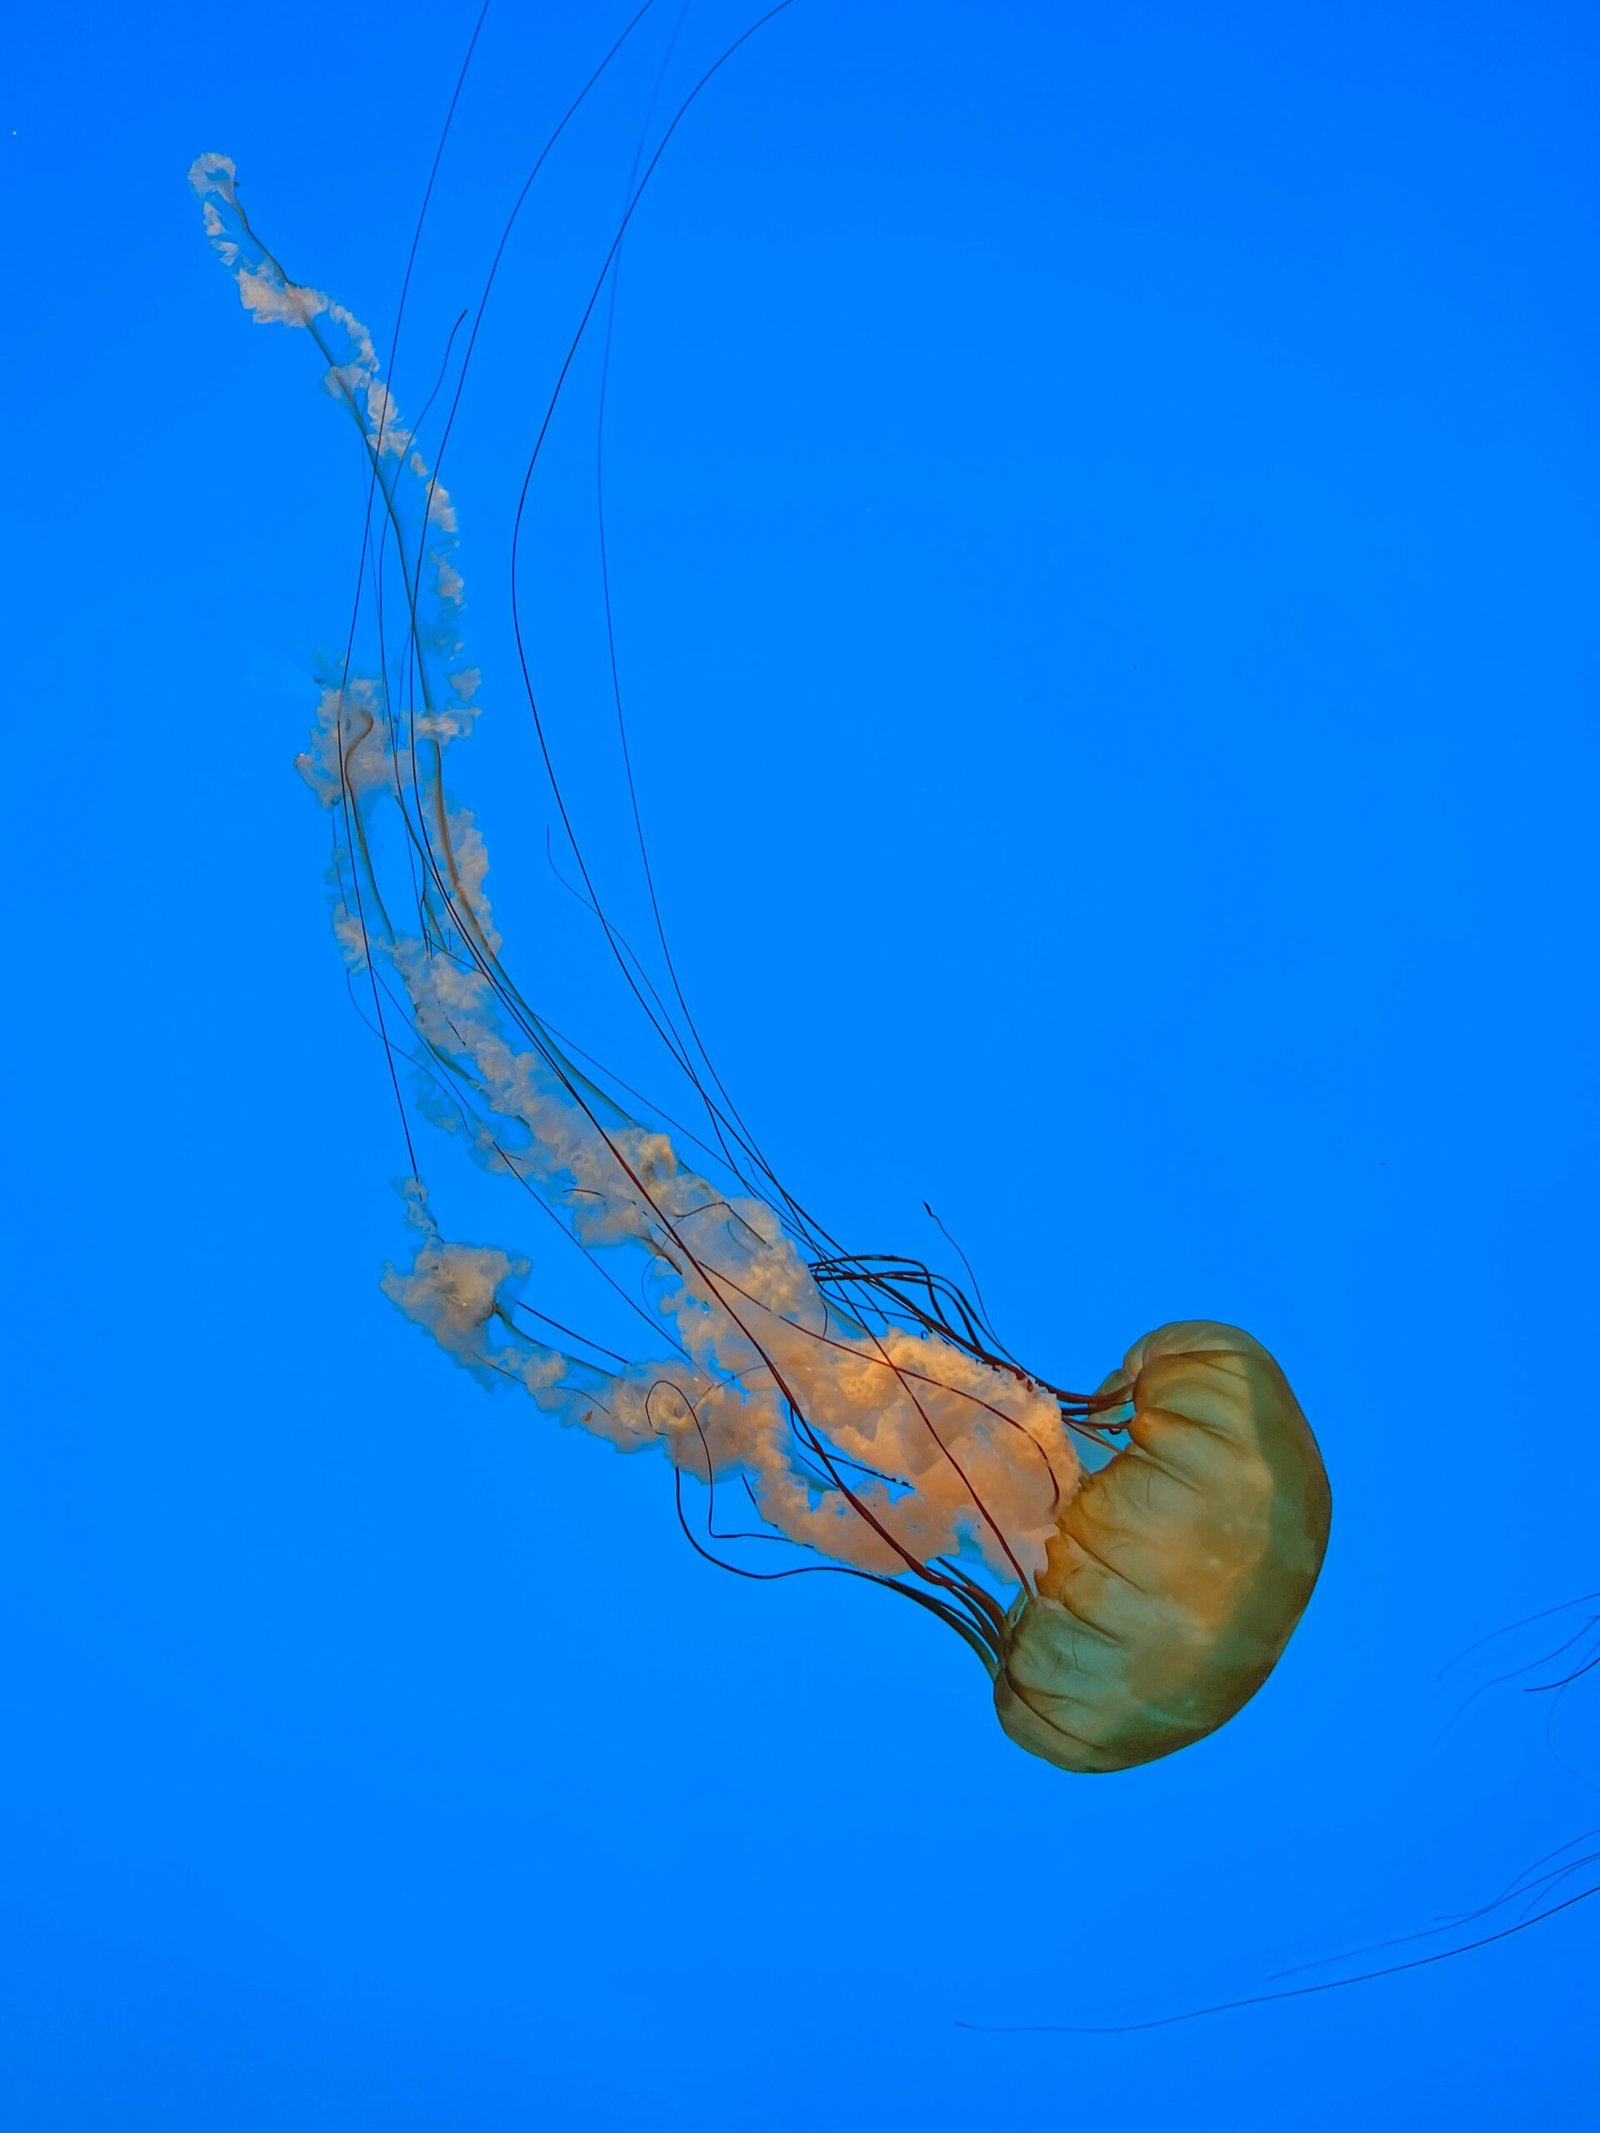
1178, 1571
859, 1409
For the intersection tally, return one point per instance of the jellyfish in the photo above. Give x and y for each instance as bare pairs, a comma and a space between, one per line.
1128, 1565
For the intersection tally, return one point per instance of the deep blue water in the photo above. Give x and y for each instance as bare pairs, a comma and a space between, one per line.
1102, 515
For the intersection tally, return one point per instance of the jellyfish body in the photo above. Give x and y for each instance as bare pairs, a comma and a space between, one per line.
861, 1406
1179, 1569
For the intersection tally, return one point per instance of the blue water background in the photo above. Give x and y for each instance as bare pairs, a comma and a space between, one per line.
1103, 531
